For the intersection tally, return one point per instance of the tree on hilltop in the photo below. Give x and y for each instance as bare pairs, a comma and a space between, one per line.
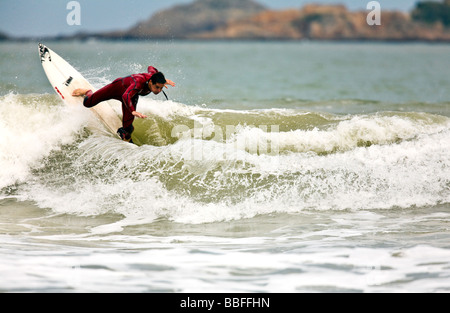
432, 12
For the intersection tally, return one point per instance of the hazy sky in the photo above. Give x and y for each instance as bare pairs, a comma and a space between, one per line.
49, 17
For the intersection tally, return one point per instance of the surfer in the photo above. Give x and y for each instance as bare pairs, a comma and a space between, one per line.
127, 90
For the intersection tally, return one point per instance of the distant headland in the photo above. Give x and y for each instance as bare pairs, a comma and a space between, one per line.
249, 20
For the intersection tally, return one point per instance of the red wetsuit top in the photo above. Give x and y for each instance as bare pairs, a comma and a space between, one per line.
127, 90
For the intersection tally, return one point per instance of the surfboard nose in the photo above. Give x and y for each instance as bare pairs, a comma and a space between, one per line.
42, 51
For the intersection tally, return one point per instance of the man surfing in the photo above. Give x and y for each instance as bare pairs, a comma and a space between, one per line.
127, 90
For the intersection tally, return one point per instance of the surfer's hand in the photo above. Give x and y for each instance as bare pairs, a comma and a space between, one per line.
140, 115
169, 82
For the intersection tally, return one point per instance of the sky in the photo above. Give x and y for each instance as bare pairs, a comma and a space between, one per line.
41, 18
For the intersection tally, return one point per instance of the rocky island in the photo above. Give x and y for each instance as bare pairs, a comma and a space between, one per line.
249, 20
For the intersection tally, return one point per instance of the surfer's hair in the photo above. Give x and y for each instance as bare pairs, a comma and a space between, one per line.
158, 78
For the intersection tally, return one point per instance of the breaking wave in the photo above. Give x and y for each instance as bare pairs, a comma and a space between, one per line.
194, 164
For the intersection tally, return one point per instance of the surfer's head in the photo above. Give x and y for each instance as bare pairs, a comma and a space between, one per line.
157, 83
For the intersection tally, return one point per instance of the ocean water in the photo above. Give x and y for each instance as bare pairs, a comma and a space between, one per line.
274, 167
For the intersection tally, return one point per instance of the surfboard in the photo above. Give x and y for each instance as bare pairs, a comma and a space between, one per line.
64, 79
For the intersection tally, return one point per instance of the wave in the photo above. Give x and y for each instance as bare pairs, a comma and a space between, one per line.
31, 127
291, 130
196, 164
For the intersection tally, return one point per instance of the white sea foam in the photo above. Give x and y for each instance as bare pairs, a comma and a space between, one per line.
30, 129
190, 264
360, 162
405, 174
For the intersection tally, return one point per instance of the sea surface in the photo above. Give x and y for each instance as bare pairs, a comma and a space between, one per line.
274, 167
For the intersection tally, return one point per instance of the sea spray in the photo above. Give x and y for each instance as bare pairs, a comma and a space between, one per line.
362, 162
32, 126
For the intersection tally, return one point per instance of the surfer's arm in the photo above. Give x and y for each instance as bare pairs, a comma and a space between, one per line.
140, 115
129, 94
169, 82
127, 98
152, 70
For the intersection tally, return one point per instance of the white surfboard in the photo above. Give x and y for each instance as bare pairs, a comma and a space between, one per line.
65, 79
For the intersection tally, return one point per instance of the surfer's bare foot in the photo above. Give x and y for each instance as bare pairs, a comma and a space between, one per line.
79, 92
